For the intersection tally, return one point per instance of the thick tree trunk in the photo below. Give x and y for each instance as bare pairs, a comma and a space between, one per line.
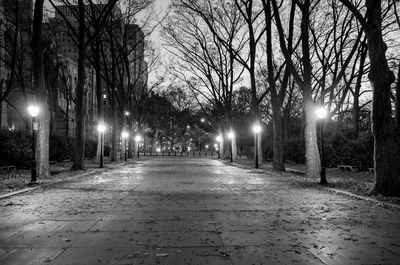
43, 135
278, 154
67, 119
278, 159
386, 142
78, 161
135, 148
114, 134
397, 102
310, 134
131, 137
99, 92
234, 149
313, 162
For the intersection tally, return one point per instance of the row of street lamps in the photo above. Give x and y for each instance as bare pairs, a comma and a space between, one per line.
321, 114
231, 135
101, 128
33, 110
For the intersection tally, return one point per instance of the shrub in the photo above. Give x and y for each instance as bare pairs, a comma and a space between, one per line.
342, 148
107, 150
90, 148
61, 148
294, 149
16, 148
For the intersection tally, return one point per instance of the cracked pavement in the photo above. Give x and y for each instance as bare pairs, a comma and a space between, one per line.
177, 210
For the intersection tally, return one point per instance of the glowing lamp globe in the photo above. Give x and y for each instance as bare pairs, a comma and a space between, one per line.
257, 128
125, 134
321, 112
101, 128
33, 110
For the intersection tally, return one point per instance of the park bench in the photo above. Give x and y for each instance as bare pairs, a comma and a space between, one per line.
348, 168
371, 169
52, 162
7, 168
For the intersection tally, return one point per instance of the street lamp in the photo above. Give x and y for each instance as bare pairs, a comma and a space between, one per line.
101, 128
202, 120
137, 140
125, 136
256, 130
322, 113
33, 111
219, 141
231, 135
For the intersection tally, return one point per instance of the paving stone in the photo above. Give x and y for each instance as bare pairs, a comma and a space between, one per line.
193, 211
272, 254
28, 256
149, 255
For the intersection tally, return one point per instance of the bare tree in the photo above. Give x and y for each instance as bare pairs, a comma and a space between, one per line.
82, 36
207, 65
385, 131
16, 48
40, 91
306, 77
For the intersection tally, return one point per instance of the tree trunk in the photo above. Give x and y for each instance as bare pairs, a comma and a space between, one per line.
99, 92
43, 135
278, 159
78, 161
357, 89
135, 148
130, 141
67, 119
114, 134
310, 134
397, 102
278, 154
386, 142
310, 131
234, 149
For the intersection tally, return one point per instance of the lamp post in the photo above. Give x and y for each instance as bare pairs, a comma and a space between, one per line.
33, 111
231, 135
219, 141
256, 130
322, 113
137, 140
125, 136
101, 128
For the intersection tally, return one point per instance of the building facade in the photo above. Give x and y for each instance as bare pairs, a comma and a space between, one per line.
61, 71
15, 62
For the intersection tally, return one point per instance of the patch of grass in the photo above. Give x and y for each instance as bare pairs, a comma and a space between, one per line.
359, 183
19, 179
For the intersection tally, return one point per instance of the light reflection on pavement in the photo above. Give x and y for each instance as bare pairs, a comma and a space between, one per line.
193, 211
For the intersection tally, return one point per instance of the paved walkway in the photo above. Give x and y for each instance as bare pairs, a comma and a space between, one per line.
193, 211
